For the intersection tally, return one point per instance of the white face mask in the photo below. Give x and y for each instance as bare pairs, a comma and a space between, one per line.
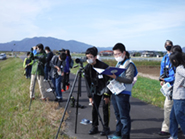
120, 58
90, 61
38, 50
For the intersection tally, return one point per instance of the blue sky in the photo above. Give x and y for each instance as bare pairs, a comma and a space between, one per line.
139, 24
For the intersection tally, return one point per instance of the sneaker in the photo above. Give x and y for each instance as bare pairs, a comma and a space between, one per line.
114, 137
93, 130
106, 131
162, 133
49, 90
56, 99
60, 100
172, 138
44, 99
90, 104
67, 87
45, 80
62, 90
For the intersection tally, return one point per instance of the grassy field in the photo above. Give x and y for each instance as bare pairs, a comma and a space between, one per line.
16, 121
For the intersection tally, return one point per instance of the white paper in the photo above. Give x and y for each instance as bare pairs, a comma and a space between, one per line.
99, 70
116, 87
166, 89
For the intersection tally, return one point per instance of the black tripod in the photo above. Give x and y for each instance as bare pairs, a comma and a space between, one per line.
77, 77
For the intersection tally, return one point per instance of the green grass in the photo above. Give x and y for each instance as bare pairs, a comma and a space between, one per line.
16, 121
148, 90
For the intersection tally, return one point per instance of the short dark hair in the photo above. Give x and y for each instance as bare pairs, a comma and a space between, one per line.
62, 56
168, 41
176, 48
47, 48
92, 50
119, 46
28, 53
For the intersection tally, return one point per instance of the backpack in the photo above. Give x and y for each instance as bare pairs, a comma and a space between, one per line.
71, 63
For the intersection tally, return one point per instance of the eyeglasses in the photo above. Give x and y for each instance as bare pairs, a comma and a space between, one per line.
89, 57
118, 54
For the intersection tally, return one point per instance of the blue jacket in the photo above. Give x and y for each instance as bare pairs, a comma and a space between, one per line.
171, 71
67, 66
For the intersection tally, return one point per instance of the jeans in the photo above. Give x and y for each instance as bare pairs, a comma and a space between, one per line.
46, 72
57, 86
177, 116
121, 106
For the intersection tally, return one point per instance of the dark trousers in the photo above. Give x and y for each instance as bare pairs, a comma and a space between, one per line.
28, 71
65, 80
121, 106
46, 72
95, 116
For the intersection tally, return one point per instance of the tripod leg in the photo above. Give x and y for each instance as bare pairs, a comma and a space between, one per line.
77, 104
69, 97
98, 113
33, 87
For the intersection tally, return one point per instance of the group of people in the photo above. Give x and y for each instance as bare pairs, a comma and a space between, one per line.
42, 65
172, 71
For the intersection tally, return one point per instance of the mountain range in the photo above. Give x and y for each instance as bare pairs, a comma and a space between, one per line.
53, 43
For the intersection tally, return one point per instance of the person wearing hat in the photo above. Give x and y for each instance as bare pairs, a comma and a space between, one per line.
38, 59
97, 83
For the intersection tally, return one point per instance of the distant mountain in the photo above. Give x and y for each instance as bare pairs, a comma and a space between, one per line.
53, 43
183, 49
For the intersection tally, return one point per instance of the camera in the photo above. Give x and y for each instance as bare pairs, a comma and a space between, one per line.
164, 75
81, 60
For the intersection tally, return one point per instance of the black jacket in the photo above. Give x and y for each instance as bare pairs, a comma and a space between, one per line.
48, 58
96, 82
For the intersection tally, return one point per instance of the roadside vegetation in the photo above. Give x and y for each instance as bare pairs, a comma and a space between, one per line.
16, 121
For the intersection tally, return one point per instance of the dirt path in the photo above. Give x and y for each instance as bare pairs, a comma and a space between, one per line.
148, 76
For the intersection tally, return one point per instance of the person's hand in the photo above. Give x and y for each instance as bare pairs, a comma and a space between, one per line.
112, 76
161, 83
58, 69
62, 73
91, 101
106, 100
34, 47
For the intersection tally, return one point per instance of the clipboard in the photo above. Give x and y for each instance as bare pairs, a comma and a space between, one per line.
110, 71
